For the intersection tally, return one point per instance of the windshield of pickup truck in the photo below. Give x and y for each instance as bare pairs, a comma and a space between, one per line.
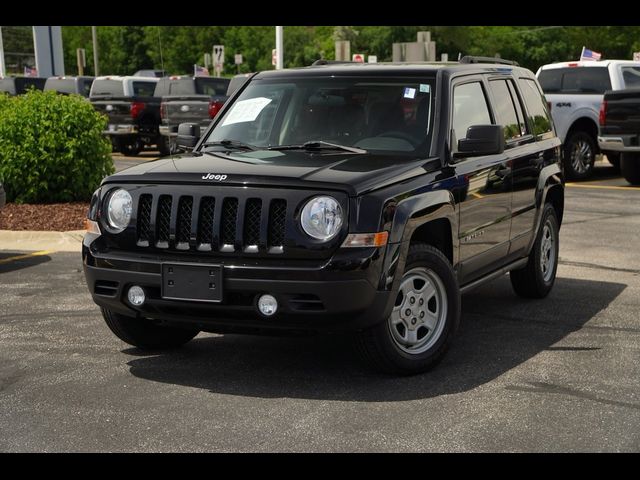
387, 115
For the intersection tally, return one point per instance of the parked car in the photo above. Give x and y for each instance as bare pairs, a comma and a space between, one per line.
332, 198
68, 85
188, 99
574, 91
238, 81
20, 85
150, 73
619, 129
3, 196
133, 111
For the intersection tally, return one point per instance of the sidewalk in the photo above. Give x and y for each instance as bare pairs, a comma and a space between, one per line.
36, 241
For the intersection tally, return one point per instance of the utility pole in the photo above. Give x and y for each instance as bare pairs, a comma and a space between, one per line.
94, 34
2, 69
279, 49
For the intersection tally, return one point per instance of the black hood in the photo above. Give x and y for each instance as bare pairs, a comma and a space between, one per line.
352, 173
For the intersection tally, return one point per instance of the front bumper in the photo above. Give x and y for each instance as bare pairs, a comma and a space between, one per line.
342, 293
619, 143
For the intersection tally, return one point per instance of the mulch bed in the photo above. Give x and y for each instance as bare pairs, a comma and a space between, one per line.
53, 217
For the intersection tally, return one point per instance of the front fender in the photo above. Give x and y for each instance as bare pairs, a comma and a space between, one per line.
410, 214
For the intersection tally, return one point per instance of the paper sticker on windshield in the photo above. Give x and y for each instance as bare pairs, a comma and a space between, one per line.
246, 110
424, 87
409, 92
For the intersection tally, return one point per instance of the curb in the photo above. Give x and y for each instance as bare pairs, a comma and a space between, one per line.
35, 240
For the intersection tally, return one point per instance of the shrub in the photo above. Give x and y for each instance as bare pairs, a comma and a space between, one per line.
51, 148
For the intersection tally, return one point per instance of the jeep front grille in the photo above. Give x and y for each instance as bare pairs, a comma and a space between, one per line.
207, 223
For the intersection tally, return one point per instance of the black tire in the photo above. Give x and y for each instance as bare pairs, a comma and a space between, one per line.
377, 345
579, 155
532, 281
630, 167
614, 160
167, 146
145, 334
130, 148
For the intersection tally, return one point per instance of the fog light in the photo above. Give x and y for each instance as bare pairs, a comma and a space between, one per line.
136, 296
267, 305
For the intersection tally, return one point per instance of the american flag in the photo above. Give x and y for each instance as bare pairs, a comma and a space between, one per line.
30, 71
589, 55
199, 71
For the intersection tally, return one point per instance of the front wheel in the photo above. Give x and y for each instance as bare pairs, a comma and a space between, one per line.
579, 155
145, 334
630, 167
536, 279
424, 319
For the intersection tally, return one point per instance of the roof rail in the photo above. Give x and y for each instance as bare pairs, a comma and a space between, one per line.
474, 59
331, 62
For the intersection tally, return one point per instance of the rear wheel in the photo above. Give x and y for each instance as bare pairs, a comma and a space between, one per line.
167, 146
145, 334
130, 148
424, 319
614, 159
579, 155
536, 279
630, 167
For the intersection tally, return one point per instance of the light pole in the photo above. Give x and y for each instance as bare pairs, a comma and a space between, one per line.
2, 70
94, 34
279, 48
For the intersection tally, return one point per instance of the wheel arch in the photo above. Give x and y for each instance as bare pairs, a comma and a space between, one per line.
586, 125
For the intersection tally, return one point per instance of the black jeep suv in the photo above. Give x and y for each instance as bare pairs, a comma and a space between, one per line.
363, 197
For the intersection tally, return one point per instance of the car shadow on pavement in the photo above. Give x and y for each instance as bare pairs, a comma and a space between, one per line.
7, 265
499, 331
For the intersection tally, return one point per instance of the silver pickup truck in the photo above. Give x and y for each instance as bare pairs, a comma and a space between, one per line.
574, 92
188, 99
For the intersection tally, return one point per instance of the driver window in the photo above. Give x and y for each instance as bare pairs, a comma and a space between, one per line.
469, 108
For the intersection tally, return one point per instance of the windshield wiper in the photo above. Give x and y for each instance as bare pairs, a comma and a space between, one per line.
318, 145
231, 145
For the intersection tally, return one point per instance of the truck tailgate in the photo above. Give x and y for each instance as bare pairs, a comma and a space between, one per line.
194, 109
118, 111
622, 113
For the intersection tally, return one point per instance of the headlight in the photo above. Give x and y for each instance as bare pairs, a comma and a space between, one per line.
119, 210
322, 218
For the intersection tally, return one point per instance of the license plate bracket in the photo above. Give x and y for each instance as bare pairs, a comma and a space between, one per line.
192, 282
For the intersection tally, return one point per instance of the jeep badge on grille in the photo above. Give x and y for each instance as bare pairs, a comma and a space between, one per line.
217, 177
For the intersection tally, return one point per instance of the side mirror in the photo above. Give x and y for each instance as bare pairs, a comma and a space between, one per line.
188, 135
482, 140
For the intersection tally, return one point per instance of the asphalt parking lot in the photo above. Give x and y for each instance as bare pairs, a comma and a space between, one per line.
560, 374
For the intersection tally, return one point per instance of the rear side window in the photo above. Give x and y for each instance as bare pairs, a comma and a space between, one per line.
85, 86
539, 117
469, 108
505, 109
631, 77
143, 89
60, 85
575, 80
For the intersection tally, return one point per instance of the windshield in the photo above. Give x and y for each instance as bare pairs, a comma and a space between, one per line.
387, 115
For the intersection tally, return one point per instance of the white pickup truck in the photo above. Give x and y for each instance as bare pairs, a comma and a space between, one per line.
574, 92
